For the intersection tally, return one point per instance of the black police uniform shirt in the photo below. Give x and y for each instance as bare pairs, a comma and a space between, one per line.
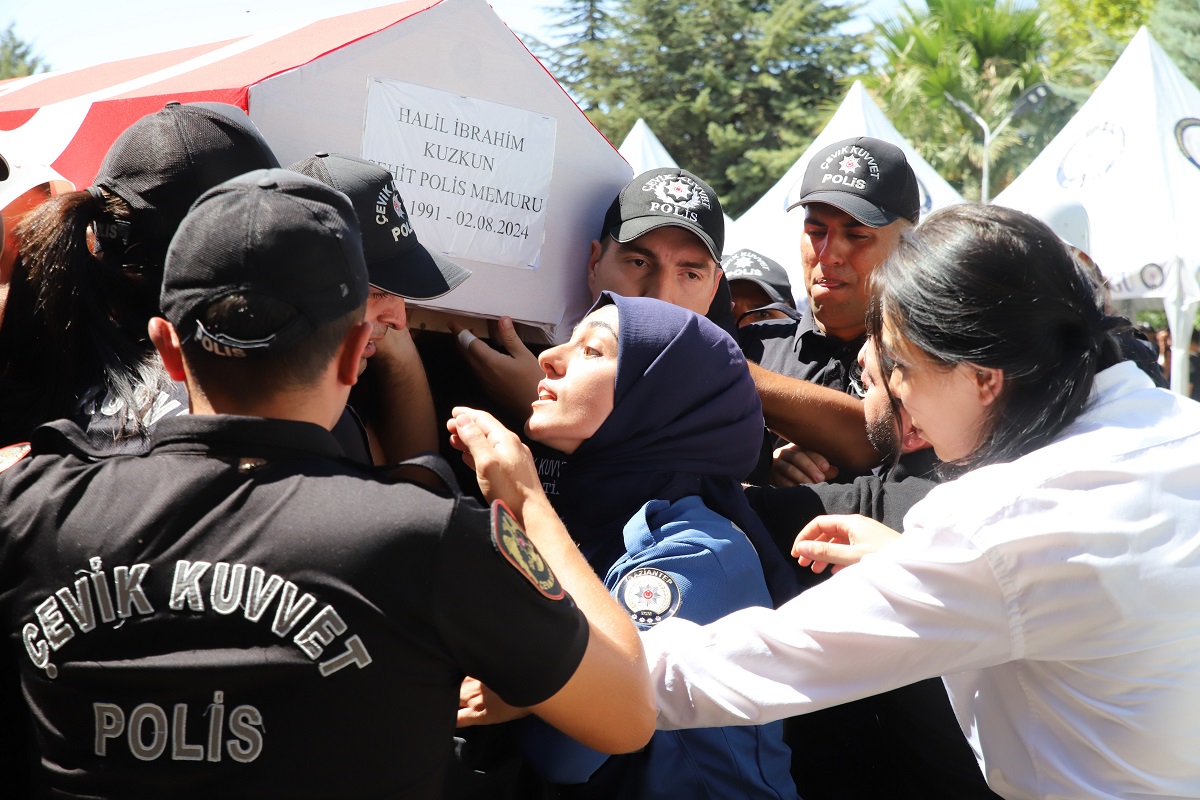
242, 612
885, 497
797, 348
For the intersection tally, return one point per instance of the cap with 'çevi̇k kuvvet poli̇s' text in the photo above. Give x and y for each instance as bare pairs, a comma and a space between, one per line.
868, 178
662, 197
396, 262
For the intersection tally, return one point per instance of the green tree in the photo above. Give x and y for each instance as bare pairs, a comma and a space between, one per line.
581, 24
1109, 23
17, 58
733, 88
985, 53
1176, 26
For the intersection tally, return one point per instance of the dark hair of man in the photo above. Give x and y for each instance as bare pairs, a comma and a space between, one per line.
250, 317
75, 320
993, 287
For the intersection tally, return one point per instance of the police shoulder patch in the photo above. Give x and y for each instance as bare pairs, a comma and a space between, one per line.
649, 595
12, 454
514, 545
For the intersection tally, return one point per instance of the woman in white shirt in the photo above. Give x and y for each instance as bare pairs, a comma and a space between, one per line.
1054, 583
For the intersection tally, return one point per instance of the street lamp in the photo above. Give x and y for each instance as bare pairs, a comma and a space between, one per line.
1029, 100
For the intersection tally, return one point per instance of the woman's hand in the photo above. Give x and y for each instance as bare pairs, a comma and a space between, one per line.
840, 540
503, 464
479, 705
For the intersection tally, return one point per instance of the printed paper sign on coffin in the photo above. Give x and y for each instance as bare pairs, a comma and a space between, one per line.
307, 90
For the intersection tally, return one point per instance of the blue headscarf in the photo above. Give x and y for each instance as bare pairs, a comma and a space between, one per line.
686, 420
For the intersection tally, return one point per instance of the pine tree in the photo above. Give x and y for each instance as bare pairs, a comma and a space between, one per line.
734, 89
17, 58
582, 24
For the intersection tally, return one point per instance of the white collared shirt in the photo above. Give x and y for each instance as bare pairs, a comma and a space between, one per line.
1059, 595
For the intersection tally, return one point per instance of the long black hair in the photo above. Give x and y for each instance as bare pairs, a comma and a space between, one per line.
89, 268
994, 287
74, 320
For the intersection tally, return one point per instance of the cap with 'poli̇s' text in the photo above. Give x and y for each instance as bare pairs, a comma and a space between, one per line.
662, 197
868, 178
747, 265
271, 234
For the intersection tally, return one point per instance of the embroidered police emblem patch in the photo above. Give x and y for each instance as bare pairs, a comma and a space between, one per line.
12, 454
515, 546
649, 595
678, 190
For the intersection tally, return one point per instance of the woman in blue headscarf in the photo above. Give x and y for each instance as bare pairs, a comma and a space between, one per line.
673, 430
660, 420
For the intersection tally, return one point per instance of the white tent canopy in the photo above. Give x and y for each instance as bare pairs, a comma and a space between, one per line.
768, 228
1131, 157
645, 152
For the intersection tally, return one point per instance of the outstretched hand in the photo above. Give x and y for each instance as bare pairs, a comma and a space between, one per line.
503, 464
510, 378
840, 540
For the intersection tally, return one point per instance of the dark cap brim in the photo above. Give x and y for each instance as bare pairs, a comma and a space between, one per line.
632, 229
418, 275
861, 209
773, 293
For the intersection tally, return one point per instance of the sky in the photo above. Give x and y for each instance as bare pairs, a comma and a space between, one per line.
69, 34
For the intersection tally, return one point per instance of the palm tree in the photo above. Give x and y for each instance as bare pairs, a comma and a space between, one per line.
985, 53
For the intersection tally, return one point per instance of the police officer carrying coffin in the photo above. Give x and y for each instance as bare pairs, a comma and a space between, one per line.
244, 611
393, 400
